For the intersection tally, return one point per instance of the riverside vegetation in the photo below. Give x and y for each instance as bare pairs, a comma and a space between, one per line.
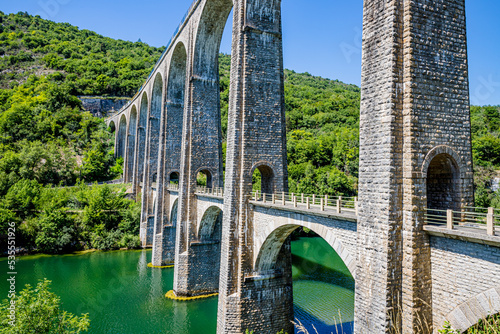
47, 141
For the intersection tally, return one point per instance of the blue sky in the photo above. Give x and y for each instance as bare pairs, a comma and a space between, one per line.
322, 37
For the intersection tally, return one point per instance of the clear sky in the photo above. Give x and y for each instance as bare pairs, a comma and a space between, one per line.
322, 37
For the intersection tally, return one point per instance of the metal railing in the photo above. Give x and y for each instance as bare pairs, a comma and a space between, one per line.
472, 217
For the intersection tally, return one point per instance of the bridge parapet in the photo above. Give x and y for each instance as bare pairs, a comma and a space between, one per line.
471, 223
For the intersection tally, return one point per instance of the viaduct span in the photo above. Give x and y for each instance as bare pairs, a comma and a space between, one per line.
411, 273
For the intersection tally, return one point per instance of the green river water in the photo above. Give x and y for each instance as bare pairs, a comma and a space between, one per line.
123, 296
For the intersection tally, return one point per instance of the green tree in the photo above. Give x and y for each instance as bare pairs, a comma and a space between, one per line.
38, 311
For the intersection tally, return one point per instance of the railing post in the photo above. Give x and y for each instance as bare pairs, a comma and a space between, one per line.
255, 196
339, 204
283, 199
322, 204
273, 198
326, 200
490, 222
302, 198
314, 199
449, 219
294, 201
308, 205
291, 197
263, 198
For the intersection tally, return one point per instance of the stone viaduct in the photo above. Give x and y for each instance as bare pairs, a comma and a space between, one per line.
415, 161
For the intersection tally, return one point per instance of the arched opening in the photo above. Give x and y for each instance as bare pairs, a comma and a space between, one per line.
206, 251
173, 214
322, 285
132, 130
211, 73
154, 125
211, 225
122, 133
141, 140
263, 179
443, 183
112, 127
204, 179
176, 87
173, 178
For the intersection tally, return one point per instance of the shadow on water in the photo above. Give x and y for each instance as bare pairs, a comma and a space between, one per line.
313, 324
311, 270
323, 287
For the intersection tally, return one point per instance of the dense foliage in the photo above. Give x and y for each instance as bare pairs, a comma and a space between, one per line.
60, 220
38, 311
322, 121
46, 139
485, 128
89, 63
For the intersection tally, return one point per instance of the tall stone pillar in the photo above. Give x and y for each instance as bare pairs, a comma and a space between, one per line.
201, 151
415, 153
437, 159
378, 277
256, 139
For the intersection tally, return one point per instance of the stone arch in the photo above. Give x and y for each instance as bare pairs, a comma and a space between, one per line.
210, 224
112, 126
122, 133
155, 113
173, 213
442, 173
141, 136
175, 93
208, 38
268, 252
132, 132
267, 176
474, 309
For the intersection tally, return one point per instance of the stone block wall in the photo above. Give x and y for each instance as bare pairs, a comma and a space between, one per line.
465, 281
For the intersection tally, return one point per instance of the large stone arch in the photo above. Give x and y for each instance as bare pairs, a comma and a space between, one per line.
173, 213
131, 140
474, 309
267, 251
121, 137
210, 224
141, 137
112, 126
155, 114
175, 93
208, 38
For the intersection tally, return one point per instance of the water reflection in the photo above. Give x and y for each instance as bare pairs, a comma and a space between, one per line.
123, 296
323, 288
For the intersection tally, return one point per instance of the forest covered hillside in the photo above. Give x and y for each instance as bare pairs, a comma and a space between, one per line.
46, 138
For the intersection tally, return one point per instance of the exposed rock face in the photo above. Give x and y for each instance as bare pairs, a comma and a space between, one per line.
100, 107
